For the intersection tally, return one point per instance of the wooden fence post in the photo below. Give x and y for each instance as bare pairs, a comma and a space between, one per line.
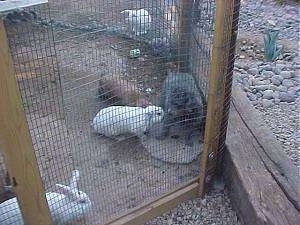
220, 78
16, 143
184, 34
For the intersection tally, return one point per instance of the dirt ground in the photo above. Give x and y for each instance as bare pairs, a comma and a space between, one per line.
58, 72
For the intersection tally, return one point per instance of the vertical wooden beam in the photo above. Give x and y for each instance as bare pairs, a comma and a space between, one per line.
16, 143
184, 34
217, 91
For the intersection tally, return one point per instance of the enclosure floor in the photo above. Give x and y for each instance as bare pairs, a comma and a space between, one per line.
117, 175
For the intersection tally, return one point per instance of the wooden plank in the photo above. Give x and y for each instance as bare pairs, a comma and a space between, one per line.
184, 35
16, 143
17, 4
259, 195
272, 154
144, 213
216, 92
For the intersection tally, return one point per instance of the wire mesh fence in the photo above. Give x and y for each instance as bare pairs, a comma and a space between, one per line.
116, 90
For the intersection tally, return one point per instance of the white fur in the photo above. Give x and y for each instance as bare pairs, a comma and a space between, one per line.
65, 207
139, 20
116, 120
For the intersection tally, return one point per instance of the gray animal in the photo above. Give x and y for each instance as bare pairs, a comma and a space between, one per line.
184, 105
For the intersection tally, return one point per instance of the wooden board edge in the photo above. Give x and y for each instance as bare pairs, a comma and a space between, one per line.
250, 200
275, 159
144, 213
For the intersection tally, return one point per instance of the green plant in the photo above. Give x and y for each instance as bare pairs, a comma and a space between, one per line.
272, 51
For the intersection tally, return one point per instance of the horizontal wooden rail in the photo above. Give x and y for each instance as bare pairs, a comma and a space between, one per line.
144, 213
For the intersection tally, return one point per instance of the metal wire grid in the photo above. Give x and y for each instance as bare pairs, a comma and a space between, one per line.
201, 41
59, 72
230, 18
228, 80
33, 52
5, 193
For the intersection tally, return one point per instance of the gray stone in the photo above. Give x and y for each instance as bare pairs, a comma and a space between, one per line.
297, 79
296, 67
265, 67
267, 103
245, 82
261, 82
250, 51
294, 89
286, 74
278, 77
277, 101
282, 88
276, 94
287, 83
267, 74
247, 89
250, 81
258, 94
243, 48
268, 94
252, 97
273, 87
275, 81
244, 75
280, 66
262, 87
241, 65
287, 97
253, 71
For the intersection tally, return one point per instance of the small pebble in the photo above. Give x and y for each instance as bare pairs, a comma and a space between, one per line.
282, 88
253, 71
275, 81
252, 97
267, 103
287, 83
287, 97
267, 74
268, 94
262, 87
286, 74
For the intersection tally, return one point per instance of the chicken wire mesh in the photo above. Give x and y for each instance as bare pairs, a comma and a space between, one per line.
75, 58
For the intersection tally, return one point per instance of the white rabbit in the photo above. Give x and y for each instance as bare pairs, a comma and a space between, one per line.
116, 120
139, 20
65, 207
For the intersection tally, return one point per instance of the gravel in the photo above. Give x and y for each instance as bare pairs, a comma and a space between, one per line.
273, 88
214, 209
284, 120
258, 15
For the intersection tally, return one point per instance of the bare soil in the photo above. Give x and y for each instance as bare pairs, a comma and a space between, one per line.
59, 87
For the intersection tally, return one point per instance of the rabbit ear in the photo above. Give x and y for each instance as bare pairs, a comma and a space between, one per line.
63, 189
74, 180
67, 191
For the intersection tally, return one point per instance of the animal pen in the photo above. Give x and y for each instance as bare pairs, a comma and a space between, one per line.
62, 62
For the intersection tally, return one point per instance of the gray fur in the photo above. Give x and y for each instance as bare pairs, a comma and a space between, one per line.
183, 103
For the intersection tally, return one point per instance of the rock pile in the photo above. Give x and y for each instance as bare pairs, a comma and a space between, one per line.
267, 84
